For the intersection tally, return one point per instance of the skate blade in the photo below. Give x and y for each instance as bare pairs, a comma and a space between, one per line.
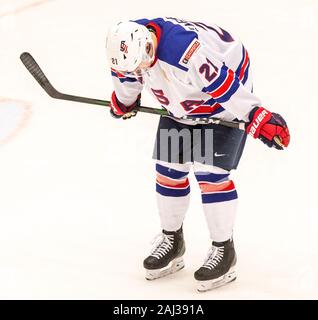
172, 267
204, 286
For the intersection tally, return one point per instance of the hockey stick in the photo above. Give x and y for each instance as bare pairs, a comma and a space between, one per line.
33, 67
43, 81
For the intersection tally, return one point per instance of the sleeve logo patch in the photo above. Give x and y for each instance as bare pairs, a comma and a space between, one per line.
194, 47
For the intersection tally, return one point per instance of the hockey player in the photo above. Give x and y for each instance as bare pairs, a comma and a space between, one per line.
199, 70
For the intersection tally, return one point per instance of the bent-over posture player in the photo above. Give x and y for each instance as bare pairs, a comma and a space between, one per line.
198, 70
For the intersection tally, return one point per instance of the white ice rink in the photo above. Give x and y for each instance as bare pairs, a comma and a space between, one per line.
77, 200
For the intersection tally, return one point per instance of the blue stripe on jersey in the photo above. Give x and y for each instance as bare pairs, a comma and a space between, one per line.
123, 79
238, 70
221, 78
219, 197
211, 177
218, 81
165, 191
211, 102
220, 109
174, 41
246, 73
171, 173
228, 94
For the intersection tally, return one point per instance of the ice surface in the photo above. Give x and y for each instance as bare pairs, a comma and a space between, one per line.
77, 208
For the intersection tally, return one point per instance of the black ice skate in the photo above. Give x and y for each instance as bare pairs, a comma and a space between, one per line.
166, 257
218, 268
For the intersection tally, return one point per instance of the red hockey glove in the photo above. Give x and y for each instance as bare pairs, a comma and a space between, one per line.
119, 110
266, 126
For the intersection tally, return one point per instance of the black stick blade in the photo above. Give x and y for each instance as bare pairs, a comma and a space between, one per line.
38, 74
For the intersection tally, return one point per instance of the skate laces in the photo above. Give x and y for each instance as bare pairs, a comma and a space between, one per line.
215, 255
162, 244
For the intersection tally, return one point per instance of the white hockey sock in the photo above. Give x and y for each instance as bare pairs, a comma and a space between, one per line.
173, 197
219, 198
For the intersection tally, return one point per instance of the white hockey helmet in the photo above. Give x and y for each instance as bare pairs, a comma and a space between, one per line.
126, 46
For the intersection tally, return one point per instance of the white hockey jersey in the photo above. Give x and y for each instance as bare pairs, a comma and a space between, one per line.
199, 70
